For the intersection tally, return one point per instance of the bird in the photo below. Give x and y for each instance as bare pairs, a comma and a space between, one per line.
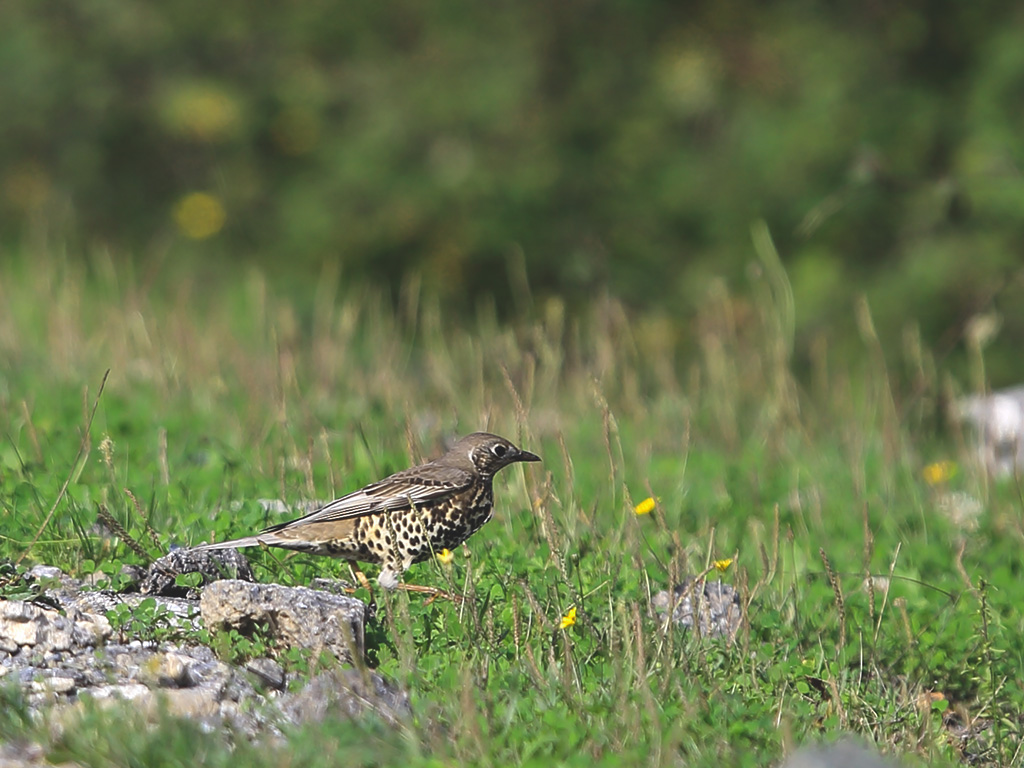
405, 518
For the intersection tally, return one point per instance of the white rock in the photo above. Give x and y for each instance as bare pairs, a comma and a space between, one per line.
21, 624
998, 419
44, 572
126, 692
53, 685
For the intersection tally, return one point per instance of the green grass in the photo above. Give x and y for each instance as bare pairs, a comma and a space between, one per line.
232, 392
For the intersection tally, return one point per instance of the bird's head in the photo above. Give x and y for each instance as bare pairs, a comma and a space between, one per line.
489, 453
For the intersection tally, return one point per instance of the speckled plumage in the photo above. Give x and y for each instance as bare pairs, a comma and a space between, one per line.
405, 518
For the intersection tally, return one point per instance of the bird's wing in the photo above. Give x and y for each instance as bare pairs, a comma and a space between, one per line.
409, 488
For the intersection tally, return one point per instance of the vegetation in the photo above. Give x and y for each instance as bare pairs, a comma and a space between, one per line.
870, 607
579, 148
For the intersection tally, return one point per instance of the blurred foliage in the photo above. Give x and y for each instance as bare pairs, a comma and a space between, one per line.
575, 147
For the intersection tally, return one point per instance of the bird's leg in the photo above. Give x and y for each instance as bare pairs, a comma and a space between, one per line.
360, 576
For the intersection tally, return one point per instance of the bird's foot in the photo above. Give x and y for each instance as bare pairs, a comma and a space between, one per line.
388, 579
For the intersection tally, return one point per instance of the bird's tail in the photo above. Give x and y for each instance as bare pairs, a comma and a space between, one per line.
248, 541
266, 539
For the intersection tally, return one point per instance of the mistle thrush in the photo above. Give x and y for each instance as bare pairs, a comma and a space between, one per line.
406, 517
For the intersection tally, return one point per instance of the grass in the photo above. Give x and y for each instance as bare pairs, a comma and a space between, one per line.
864, 601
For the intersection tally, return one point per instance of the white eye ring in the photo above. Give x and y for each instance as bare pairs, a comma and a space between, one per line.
499, 450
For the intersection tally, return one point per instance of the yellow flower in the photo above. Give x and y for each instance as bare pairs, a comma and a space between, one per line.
445, 556
645, 507
723, 565
569, 619
939, 472
203, 111
199, 215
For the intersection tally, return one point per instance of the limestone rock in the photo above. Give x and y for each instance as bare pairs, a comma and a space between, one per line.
44, 573
268, 672
998, 421
295, 616
347, 692
183, 610
20, 754
61, 658
842, 754
211, 565
718, 607
24, 624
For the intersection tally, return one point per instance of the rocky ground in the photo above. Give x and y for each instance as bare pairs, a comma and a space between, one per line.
67, 642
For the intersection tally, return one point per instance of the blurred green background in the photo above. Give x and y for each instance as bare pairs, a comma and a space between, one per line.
510, 151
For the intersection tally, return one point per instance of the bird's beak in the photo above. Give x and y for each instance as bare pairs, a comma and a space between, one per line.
527, 456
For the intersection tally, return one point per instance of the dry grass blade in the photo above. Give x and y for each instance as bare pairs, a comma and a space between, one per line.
118, 530
833, 580
154, 539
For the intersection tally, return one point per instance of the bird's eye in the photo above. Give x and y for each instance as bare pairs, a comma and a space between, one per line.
499, 450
